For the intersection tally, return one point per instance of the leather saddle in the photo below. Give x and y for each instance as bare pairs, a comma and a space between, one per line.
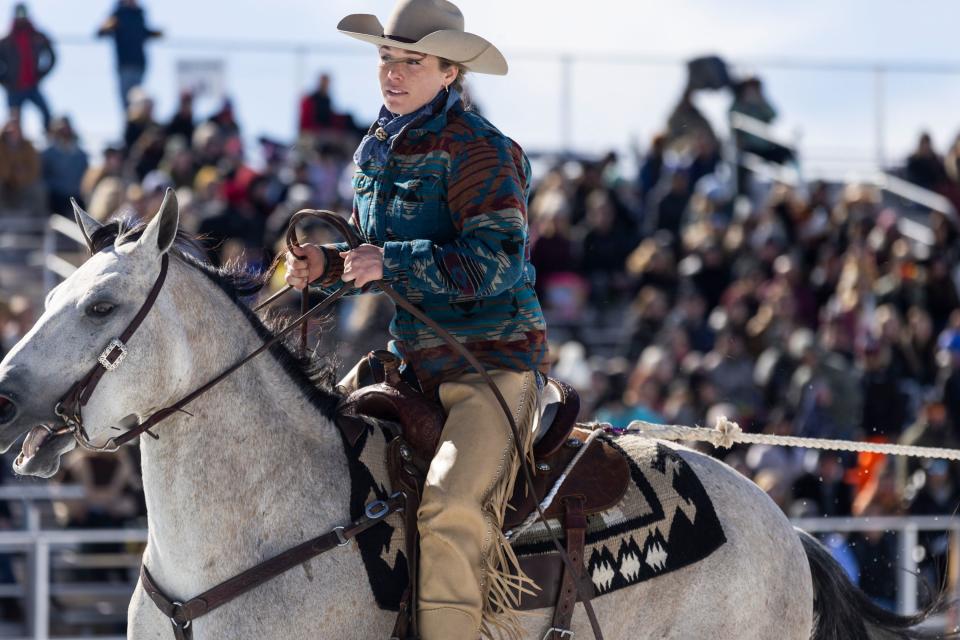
597, 481
600, 476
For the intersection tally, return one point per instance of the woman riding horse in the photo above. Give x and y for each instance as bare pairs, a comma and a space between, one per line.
441, 204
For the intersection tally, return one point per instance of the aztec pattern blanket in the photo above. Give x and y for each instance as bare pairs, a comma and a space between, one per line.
664, 522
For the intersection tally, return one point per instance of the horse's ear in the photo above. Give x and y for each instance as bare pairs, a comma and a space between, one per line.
162, 230
88, 225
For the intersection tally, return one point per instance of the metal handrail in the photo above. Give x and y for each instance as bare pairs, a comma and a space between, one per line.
756, 127
914, 193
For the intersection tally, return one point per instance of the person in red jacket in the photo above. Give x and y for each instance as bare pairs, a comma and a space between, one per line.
26, 57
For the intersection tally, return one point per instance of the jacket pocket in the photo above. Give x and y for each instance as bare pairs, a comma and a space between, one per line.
418, 207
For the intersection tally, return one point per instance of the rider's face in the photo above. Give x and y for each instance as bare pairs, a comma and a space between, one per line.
409, 80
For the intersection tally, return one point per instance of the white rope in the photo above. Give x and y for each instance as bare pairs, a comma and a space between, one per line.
726, 433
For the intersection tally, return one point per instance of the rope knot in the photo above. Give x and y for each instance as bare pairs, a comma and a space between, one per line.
727, 432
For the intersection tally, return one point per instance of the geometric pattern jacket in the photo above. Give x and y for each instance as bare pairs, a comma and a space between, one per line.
449, 208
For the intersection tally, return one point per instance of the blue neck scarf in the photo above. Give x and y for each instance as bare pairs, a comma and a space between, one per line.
395, 125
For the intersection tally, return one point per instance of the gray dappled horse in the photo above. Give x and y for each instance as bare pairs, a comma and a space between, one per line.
259, 467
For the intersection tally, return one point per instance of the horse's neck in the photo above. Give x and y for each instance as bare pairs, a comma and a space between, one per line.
256, 469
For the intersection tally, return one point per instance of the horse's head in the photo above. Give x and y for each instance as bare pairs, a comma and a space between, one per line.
81, 317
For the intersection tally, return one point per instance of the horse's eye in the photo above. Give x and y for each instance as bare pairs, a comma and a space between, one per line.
100, 309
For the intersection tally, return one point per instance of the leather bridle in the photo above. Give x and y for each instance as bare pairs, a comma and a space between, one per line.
70, 406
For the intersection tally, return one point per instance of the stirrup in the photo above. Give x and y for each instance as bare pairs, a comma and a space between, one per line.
564, 633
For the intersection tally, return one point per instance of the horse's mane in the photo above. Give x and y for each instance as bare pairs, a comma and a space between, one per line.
314, 374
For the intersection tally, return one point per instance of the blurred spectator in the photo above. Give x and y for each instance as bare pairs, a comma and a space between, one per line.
26, 58
19, 317
653, 263
876, 551
111, 484
651, 167
21, 186
183, 123
705, 157
731, 370
884, 405
552, 249
144, 137
103, 186
64, 165
604, 249
316, 110
666, 212
646, 319
178, 163
951, 382
925, 167
932, 428
127, 25
787, 461
620, 406
686, 123
940, 291
225, 120
823, 484
319, 118
951, 164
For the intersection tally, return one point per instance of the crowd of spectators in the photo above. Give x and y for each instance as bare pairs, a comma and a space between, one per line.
794, 310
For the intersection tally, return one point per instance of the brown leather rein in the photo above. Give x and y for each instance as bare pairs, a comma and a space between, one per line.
70, 407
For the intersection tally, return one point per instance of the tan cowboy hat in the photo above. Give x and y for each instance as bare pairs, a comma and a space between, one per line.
428, 26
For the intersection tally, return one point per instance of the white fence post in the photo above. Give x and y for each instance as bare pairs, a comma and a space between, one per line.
41, 590
907, 571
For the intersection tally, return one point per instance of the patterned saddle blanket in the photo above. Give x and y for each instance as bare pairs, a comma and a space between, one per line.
664, 521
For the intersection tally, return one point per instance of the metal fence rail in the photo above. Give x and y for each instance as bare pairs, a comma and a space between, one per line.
907, 529
39, 544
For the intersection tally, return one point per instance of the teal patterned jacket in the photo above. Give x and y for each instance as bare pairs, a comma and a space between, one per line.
449, 208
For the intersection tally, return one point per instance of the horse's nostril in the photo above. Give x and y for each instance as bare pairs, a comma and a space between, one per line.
7, 409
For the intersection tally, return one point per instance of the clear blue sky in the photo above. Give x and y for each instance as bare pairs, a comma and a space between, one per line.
615, 97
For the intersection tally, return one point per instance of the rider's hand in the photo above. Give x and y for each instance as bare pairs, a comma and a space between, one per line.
362, 265
304, 265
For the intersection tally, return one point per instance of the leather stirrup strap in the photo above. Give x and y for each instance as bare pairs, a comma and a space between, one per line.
412, 536
404, 477
575, 525
406, 626
401, 628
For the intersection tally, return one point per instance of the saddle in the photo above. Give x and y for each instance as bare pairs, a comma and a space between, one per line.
592, 476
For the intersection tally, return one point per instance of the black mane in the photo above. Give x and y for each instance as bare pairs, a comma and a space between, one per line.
314, 375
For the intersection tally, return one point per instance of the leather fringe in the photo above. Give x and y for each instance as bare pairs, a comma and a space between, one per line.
505, 583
